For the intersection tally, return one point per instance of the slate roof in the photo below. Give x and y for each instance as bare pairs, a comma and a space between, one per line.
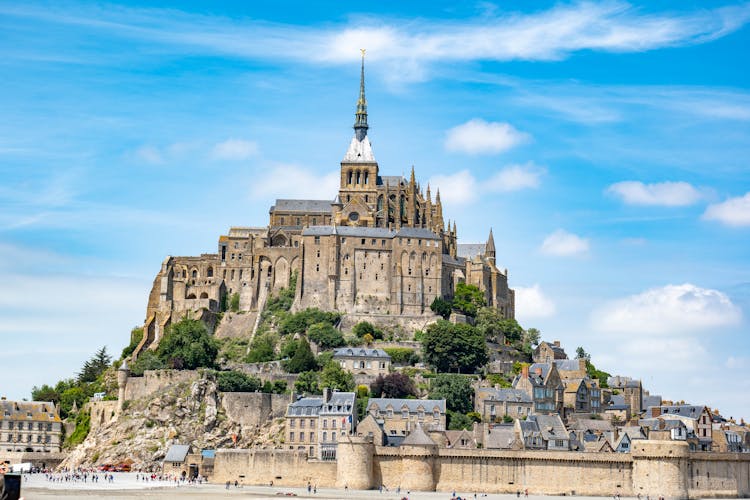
412, 404
651, 401
367, 232
469, 250
617, 400
19, 410
177, 453
447, 259
511, 395
341, 403
360, 353
659, 424
689, 411
586, 424
550, 426
417, 232
500, 437
418, 437
391, 180
568, 365
305, 406
306, 206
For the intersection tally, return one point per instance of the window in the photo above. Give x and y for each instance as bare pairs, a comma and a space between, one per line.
292, 423
302, 436
333, 423
404, 413
325, 436
333, 437
363, 241
325, 425
317, 268
559, 443
301, 424
312, 437
317, 240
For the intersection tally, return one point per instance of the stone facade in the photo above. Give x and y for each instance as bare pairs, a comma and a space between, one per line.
315, 425
363, 361
29, 427
399, 417
381, 247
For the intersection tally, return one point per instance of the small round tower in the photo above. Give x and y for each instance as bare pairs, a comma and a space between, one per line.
122, 381
418, 452
660, 468
354, 457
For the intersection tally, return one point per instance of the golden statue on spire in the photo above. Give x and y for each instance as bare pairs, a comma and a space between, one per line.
363, 52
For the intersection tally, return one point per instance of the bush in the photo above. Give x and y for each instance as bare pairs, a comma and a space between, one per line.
307, 383
458, 421
301, 321
325, 335
262, 348
398, 385
275, 387
364, 328
441, 307
148, 360
283, 301
507, 419
454, 348
467, 299
187, 345
455, 389
234, 381
234, 302
335, 377
83, 425
402, 355
136, 335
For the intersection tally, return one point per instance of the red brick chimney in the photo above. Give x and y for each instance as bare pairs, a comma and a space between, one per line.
525, 371
655, 411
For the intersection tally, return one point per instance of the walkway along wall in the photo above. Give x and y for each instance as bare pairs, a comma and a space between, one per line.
655, 468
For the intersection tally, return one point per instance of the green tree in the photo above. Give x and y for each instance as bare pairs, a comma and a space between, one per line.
301, 321
74, 394
148, 360
323, 359
325, 335
454, 348
187, 345
45, 393
402, 355
441, 307
532, 337
582, 354
455, 389
234, 381
376, 388
234, 302
262, 348
307, 383
335, 377
488, 322
364, 328
458, 421
303, 359
511, 330
467, 299
95, 366
288, 348
601, 376
136, 335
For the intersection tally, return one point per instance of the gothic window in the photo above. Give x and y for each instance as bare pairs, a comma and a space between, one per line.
195, 273
299, 221
317, 267
402, 207
210, 272
349, 177
380, 203
367, 180
359, 176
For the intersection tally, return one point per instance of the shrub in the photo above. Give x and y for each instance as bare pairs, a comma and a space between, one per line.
187, 345
366, 328
83, 425
234, 381
325, 335
301, 321
234, 302
262, 348
148, 360
307, 383
303, 359
441, 307
136, 335
402, 355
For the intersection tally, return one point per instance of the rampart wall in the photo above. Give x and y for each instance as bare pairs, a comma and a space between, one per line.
283, 467
154, 381
253, 409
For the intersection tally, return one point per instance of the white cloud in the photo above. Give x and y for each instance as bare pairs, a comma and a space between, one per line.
532, 303
564, 244
736, 362
515, 178
458, 188
234, 150
668, 194
149, 154
551, 34
480, 137
668, 310
276, 181
732, 212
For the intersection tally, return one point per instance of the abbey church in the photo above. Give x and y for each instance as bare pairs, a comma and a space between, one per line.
380, 247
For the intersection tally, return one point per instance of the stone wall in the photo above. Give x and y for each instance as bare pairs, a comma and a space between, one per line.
154, 381
102, 413
283, 467
656, 468
44, 460
254, 409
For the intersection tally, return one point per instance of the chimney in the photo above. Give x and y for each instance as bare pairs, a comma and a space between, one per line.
655, 411
556, 343
326, 395
538, 370
582, 365
525, 371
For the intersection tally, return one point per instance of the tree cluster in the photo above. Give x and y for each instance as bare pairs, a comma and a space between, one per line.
457, 348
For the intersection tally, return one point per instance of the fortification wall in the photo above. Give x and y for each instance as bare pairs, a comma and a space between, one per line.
102, 413
48, 460
154, 381
253, 409
403, 324
283, 467
718, 475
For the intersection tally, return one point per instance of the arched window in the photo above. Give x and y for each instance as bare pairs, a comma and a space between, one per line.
195, 273
349, 177
380, 203
359, 176
210, 272
367, 177
402, 206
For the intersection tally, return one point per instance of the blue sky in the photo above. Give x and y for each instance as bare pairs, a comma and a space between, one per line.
606, 144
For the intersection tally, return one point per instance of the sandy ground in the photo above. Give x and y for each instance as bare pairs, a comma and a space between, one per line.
125, 487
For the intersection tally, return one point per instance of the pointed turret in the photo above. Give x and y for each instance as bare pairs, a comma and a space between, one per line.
489, 249
360, 122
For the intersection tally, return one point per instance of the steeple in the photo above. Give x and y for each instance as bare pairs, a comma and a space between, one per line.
360, 122
489, 249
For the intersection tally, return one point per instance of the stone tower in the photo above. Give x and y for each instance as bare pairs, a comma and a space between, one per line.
122, 381
660, 468
354, 457
418, 453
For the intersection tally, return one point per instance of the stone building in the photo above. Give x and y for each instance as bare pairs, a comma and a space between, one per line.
547, 352
380, 245
542, 383
33, 426
494, 404
696, 418
399, 417
316, 424
363, 361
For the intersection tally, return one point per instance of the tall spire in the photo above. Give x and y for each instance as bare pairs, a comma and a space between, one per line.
360, 122
489, 249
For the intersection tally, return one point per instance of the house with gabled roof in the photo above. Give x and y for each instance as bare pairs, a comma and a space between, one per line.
400, 416
545, 432
542, 382
696, 417
546, 352
494, 404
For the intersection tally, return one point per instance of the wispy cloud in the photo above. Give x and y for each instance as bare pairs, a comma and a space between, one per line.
564, 244
515, 178
732, 212
308, 184
480, 137
533, 303
235, 150
667, 194
552, 34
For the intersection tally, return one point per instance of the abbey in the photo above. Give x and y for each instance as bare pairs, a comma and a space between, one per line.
380, 247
